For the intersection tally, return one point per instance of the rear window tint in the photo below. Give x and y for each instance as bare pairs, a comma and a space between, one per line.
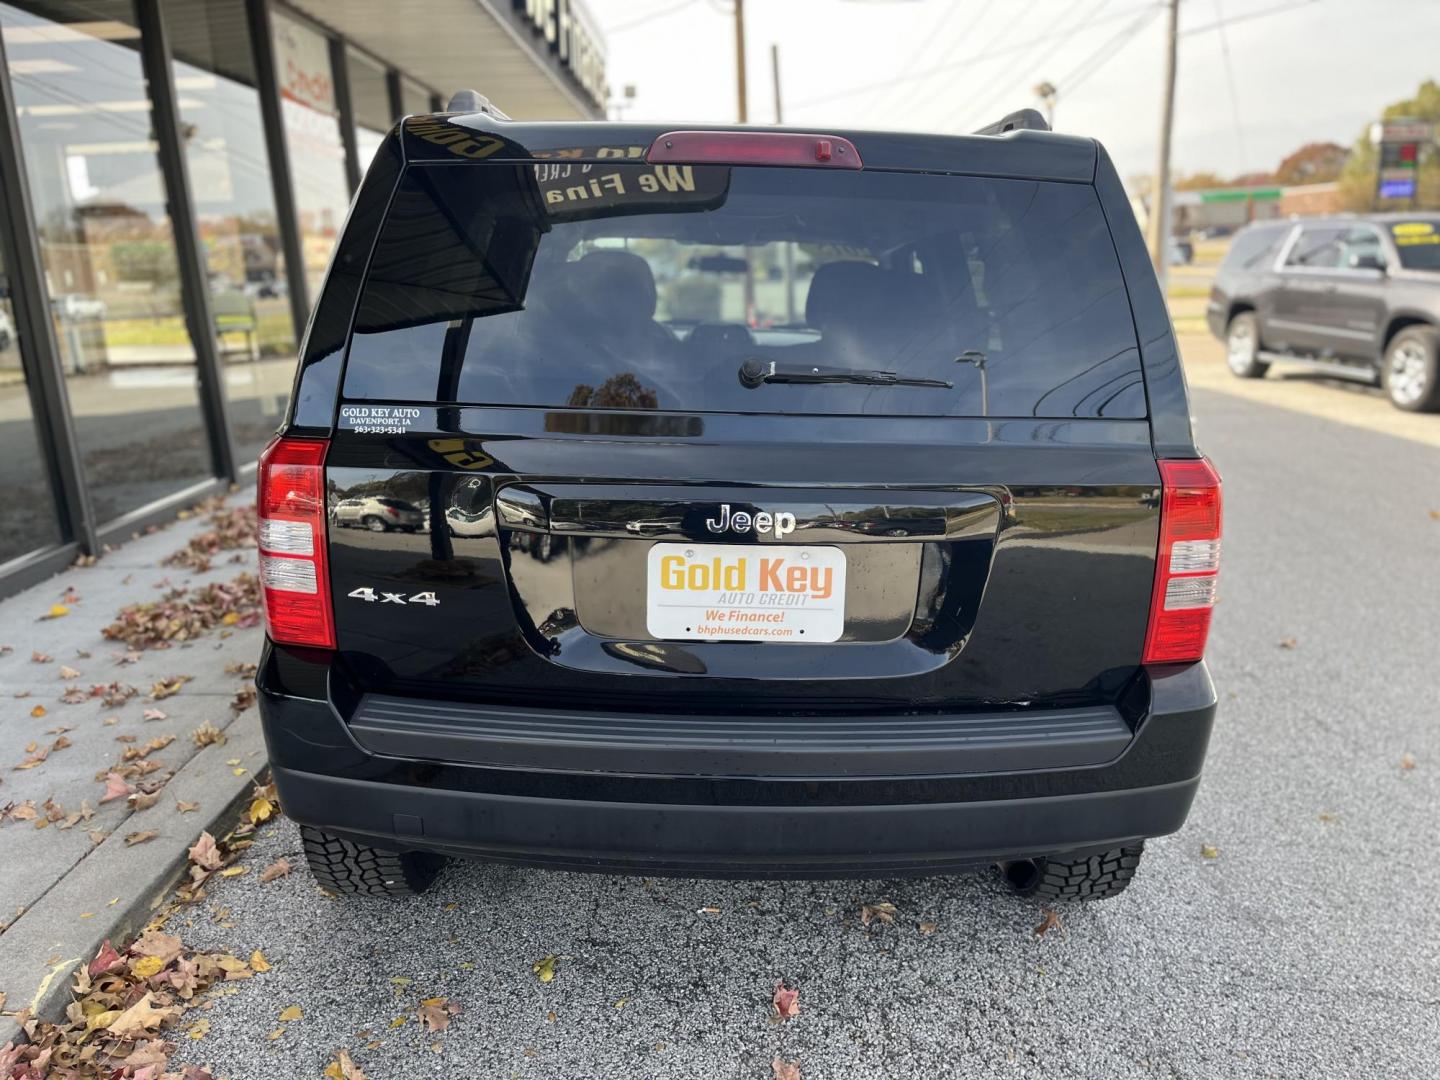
635, 286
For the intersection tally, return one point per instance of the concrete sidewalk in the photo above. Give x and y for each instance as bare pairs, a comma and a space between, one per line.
72, 704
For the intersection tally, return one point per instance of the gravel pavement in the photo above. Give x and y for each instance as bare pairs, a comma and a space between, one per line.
1307, 948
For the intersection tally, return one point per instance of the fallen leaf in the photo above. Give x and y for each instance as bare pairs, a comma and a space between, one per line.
1049, 920
882, 911
1329, 817
434, 1015
38, 657
1288, 643
199, 1029
141, 837
272, 1036
168, 687
707, 911
107, 959
786, 1001
207, 734
237, 772
258, 962
68, 672
141, 801
399, 1021
205, 854
928, 928
38, 711
785, 1070
1407, 763
261, 809
146, 966
139, 1017
1209, 851
57, 611
544, 968
234, 871
290, 1014
343, 1068
185, 807
278, 869
116, 787
154, 714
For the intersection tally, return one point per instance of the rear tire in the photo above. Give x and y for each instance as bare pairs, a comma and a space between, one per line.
345, 867
1061, 880
374, 524
1242, 347
1410, 369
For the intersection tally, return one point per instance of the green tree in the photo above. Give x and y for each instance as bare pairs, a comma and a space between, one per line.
1357, 178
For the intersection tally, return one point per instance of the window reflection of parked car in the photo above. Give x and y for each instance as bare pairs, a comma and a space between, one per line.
7, 330
378, 514
78, 306
469, 522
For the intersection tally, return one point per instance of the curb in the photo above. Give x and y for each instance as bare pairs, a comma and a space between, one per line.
43, 947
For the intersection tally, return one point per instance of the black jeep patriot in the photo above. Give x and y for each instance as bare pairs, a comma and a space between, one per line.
796, 504
1353, 297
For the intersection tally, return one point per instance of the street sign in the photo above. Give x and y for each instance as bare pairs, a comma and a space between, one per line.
1401, 131
1397, 189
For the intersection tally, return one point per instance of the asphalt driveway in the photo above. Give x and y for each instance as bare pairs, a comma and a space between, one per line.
1306, 947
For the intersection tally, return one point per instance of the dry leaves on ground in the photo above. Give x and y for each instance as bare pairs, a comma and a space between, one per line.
881, 911
243, 699
343, 1068
1407, 763
207, 734
181, 615
786, 1001
1049, 920
168, 687
126, 1008
141, 837
785, 1070
278, 869
116, 787
230, 530
544, 968
435, 1013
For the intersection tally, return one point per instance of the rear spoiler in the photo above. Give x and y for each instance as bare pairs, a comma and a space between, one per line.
1019, 120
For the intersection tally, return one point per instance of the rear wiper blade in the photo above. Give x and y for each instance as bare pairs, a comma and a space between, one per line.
755, 373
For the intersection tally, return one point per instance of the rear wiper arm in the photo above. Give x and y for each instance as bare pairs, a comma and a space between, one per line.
755, 373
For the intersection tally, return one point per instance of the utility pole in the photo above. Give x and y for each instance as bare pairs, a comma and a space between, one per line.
740, 59
1158, 230
1047, 94
775, 77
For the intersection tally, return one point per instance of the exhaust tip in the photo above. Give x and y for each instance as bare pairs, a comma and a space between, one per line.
1022, 875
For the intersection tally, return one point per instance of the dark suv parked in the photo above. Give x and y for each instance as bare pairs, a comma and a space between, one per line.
818, 504
1354, 297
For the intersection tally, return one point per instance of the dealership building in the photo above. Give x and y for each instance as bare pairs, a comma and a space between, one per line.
174, 175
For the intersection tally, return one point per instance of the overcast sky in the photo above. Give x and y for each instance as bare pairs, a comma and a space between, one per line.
1306, 71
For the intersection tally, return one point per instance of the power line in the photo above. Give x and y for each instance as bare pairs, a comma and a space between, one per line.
642, 20
981, 112
908, 97
950, 65
1230, 81
1105, 53
1246, 17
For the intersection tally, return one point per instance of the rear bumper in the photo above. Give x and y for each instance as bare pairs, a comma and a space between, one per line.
732, 826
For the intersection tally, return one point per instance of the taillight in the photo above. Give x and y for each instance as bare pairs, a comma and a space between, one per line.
294, 570
753, 148
1186, 562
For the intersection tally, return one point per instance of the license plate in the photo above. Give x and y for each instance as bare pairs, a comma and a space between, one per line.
726, 592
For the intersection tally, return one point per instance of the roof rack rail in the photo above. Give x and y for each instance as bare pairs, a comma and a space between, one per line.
472, 101
1019, 120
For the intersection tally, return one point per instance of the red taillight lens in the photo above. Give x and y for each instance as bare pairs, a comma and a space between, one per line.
753, 148
294, 569
1186, 562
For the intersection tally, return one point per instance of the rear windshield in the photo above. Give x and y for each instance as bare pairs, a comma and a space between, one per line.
633, 286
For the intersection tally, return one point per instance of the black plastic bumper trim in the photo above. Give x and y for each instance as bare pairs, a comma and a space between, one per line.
774, 747
763, 841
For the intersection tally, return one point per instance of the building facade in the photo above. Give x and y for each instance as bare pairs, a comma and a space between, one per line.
174, 175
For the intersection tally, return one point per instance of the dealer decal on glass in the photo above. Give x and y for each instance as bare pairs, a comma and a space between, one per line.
725, 592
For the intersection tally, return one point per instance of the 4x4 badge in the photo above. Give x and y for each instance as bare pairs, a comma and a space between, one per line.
763, 521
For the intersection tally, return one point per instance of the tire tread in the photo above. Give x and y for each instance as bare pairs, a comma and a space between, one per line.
342, 866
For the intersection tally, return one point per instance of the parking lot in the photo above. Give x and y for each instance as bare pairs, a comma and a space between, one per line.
1289, 930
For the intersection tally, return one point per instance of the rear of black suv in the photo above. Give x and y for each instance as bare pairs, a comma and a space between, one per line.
795, 505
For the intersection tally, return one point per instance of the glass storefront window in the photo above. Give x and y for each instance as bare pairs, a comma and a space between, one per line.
235, 208
28, 523
312, 134
370, 100
108, 251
